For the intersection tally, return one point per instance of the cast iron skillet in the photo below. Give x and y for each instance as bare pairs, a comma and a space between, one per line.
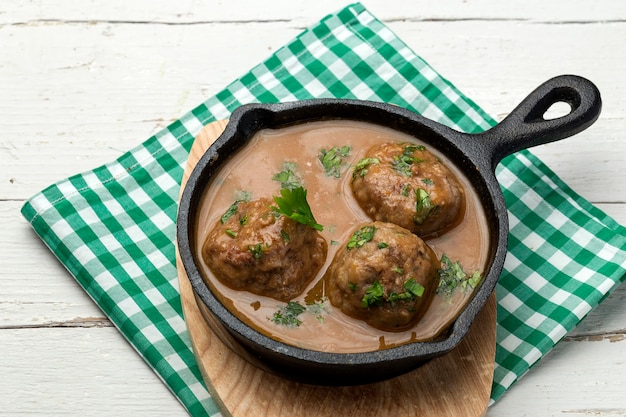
475, 154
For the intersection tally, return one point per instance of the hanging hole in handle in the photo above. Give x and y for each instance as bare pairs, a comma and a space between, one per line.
556, 110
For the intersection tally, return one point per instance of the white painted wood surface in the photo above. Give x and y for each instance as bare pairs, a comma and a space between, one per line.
82, 82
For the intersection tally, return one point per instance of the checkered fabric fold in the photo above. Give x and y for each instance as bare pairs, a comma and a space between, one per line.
114, 227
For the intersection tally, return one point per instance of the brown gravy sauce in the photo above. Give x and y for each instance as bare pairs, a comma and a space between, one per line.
333, 206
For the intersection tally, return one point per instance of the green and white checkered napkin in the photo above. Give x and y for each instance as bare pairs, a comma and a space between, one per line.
114, 227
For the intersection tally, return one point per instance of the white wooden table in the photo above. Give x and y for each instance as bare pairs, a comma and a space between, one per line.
82, 82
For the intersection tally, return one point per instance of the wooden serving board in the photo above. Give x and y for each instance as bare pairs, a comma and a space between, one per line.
456, 384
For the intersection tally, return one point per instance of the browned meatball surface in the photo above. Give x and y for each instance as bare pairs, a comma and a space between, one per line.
384, 275
407, 185
254, 249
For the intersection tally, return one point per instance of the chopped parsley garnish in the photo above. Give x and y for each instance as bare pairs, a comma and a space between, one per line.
231, 233
452, 276
285, 236
374, 295
423, 206
287, 315
397, 270
256, 250
318, 309
288, 177
405, 190
331, 160
360, 169
361, 237
231, 211
383, 245
242, 196
427, 181
473, 280
402, 163
293, 204
414, 287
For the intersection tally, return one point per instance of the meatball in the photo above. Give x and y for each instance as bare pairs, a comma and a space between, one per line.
255, 249
406, 184
384, 275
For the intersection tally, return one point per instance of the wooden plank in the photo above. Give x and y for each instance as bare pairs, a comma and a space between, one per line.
101, 376
577, 378
82, 98
188, 11
78, 371
35, 289
121, 108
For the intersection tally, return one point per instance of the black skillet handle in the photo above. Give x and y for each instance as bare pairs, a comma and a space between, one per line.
526, 126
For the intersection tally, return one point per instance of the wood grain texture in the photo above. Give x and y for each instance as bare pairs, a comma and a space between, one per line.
458, 383
83, 82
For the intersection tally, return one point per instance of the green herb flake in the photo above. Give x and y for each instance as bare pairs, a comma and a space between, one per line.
285, 236
423, 206
414, 287
405, 190
231, 211
402, 163
374, 295
352, 286
288, 314
361, 237
256, 250
293, 204
240, 197
318, 309
474, 279
244, 220
395, 297
412, 290
397, 270
452, 276
332, 159
287, 177
427, 181
383, 245
231, 233
360, 169
243, 195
